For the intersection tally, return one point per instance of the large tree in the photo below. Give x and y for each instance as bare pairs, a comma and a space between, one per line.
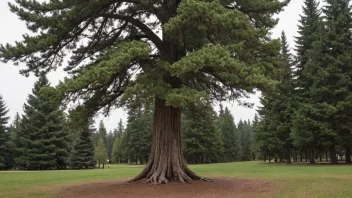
173, 52
5, 146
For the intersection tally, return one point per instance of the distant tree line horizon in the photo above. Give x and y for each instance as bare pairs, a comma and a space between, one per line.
45, 137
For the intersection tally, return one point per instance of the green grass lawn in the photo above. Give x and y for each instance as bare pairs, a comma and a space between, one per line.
291, 180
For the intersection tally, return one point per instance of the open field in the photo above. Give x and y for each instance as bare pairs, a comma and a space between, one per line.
286, 180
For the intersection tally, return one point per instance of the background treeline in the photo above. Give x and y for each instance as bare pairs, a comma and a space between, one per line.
45, 137
207, 137
308, 116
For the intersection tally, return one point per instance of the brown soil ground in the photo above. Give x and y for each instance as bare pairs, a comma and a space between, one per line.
219, 188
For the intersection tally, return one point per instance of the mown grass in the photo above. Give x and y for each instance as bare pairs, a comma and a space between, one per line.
291, 180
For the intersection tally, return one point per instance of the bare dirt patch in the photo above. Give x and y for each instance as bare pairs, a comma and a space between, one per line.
220, 187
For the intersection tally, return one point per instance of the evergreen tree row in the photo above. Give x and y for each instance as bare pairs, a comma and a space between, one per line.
41, 139
308, 116
206, 136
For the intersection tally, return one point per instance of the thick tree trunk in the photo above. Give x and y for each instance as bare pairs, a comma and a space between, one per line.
326, 155
306, 156
166, 160
348, 154
300, 157
333, 157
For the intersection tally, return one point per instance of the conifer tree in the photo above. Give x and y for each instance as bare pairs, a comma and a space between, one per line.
82, 155
118, 134
229, 134
100, 154
245, 133
15, 132
304, 134
102, 133
119, 130
330, 71
278, 108
308, 33
116, 155
139, 133
43, 138
218, 48
201, 140
5, 143
109, 144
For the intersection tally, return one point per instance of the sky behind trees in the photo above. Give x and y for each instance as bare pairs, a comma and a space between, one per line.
15, 88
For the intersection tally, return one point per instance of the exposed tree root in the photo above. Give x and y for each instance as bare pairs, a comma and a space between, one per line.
159, 176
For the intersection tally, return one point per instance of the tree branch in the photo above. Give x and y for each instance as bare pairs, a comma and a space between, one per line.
144, 28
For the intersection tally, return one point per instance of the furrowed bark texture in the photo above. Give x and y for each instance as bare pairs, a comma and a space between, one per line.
166, 160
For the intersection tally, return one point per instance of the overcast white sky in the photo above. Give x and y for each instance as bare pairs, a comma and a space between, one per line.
14, 87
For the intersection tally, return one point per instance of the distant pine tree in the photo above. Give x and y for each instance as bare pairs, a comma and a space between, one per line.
100, 154
202, 141
245, 132
5, 146
138, 134
43, 138
82, 155
119, 130
230, 137
110, 138
116, 155
15, 140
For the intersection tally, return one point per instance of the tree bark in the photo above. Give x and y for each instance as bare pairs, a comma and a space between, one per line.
326, 154
166, 161
333, 157
348, 154
300, 157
